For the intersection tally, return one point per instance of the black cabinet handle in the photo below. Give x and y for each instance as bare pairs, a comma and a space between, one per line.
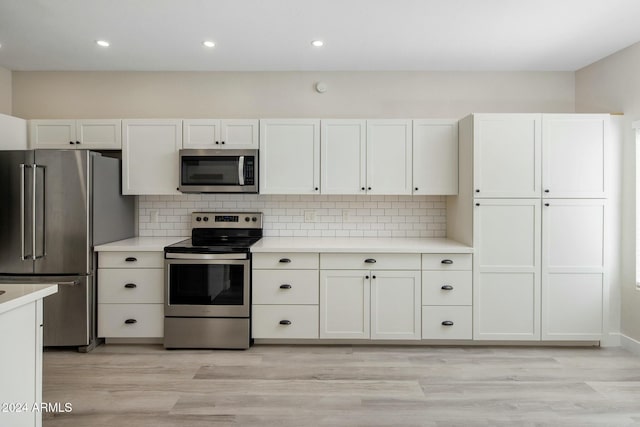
366, 277
368, 188
362, 188
285, 322
77, 142
285, 286
316, 188
416, 189
446, 261
217, 142
477, 190
131, 259
477, 204
447, 323
285, 260
130, 286
222, 142
370, 261
546, 191
130, 321
447, 288
546, 204
373, 277
71, 142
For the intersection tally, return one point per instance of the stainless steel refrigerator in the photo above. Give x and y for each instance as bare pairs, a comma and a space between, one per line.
55, 206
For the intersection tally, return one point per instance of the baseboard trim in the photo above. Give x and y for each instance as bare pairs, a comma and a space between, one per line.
630, 344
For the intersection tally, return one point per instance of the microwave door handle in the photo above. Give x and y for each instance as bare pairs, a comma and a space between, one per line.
241, 170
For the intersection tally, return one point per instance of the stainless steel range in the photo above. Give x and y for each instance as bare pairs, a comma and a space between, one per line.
208, 282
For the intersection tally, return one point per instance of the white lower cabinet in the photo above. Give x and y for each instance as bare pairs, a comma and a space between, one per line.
130, 295
378, 304
447, 296
285, 296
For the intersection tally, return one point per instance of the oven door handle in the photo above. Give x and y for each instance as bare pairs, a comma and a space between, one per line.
241, 170
205, 256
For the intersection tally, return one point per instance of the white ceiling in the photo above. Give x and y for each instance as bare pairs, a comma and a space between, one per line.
261, 35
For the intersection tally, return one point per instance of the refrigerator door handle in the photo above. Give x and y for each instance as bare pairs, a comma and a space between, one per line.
34, 217
23, 255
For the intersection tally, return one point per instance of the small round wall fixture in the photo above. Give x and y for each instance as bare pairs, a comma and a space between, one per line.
321, 87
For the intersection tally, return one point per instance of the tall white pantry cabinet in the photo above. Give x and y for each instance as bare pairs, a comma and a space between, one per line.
535, 188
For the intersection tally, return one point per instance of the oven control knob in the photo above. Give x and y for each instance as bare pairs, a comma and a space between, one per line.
198, 219
246, 218
254, 219
206, 218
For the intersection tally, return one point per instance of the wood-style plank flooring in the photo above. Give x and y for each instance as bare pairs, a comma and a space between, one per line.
127, 385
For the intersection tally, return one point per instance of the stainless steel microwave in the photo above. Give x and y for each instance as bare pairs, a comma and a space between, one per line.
218, 171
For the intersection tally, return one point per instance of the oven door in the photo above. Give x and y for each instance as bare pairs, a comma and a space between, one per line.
207, 285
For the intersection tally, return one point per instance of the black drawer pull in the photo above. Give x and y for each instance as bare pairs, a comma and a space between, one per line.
447, 288
285, 286
447, 323
285, 260
130, 321
130, 286
446, 261
285, 322
370, 261
131, 259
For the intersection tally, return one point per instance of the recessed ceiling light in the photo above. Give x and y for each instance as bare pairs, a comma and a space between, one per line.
102, 43
209, 43
317, 43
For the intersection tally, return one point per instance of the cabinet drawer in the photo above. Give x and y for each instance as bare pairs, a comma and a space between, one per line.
337, 261
441, 261
457, 288
131, 260
285, 287
144, 285
286, 260
265, 321
149, 320
434, 316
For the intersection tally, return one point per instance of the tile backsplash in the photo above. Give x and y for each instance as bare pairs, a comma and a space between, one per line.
284, 215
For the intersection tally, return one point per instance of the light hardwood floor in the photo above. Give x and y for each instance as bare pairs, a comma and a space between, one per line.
126, 385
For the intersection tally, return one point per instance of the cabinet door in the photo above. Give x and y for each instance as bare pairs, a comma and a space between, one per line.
344, 304
150, 156
201, 133
389, 156
573, 269
506, 156
395, 305
99, 134
343, 151
574, 153
56, 134
290, 156
435, 157
506, 269
239, 134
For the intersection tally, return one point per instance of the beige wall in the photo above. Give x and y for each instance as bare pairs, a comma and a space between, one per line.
5, 91
613, 84
287, 94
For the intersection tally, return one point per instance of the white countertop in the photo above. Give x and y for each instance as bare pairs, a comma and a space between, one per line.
16, 295
363, 244
139, 244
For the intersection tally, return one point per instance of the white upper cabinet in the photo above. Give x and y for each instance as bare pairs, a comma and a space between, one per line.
290, 156
507, 155
215, 133
389, 157
92, 134
574, 155
150, 156
13, 133
343, 149
435, 157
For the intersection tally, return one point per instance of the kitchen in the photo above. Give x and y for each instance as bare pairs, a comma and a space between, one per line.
426, 92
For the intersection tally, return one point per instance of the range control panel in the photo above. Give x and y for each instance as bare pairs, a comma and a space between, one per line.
226, 220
